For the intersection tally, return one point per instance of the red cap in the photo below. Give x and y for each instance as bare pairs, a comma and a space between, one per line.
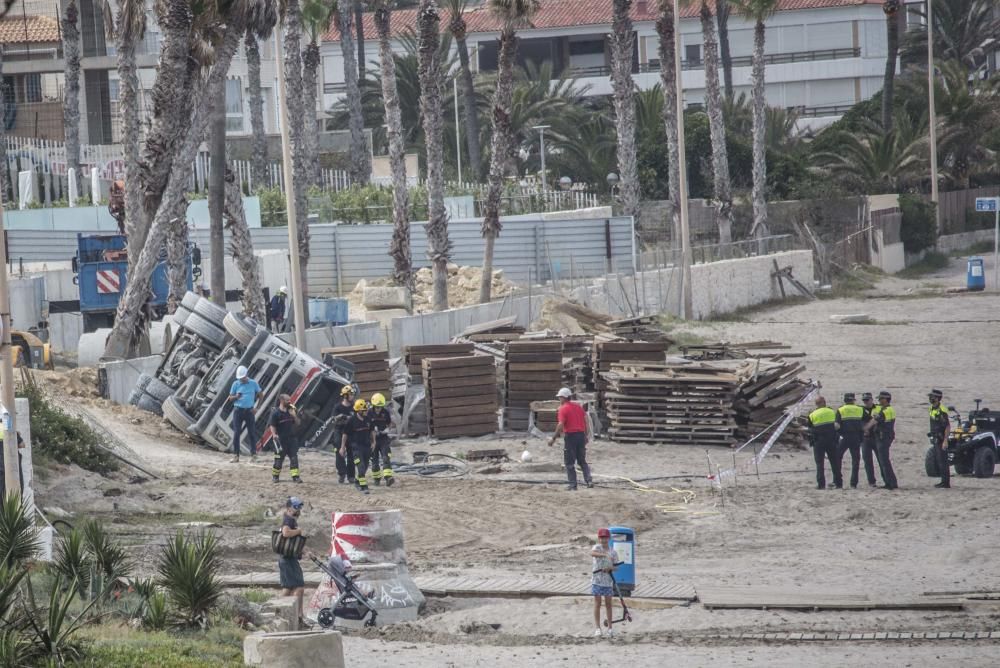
603, 533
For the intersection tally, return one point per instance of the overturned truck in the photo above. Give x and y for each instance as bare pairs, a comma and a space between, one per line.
190, 389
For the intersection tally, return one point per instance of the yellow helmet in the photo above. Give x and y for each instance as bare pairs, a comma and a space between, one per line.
360, 406
345, 390
378, 400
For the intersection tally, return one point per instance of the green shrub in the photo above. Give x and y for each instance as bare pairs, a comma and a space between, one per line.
919, 226
63, 438
188, 570
117, 647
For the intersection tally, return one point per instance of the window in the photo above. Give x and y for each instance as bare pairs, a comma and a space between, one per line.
692, 54
234, 105
586, 48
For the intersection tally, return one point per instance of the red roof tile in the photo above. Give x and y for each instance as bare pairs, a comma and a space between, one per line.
568, 13
31, 29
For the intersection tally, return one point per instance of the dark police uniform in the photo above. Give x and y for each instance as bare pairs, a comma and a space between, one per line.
849, 423
885, 434
823, 438
939, 424
869, 446
345, 465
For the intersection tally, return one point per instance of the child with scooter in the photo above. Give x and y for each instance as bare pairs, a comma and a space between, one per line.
602, 582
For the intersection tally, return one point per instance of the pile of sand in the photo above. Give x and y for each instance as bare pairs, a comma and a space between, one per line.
80, 382
463, 289
570, 319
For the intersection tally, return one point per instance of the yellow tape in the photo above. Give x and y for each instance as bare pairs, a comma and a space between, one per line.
687, 496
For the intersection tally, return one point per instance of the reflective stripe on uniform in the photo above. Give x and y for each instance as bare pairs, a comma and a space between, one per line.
888, 413
822, 416
850, 412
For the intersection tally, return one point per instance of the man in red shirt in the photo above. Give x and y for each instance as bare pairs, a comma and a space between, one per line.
573, 426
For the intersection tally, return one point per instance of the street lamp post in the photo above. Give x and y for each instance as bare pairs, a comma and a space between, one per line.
933, 115
686, 299
541, 147
458, 132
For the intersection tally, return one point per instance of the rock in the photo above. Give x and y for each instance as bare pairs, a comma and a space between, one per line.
296, 649
386, 298
285, 608
452, 268
113, 491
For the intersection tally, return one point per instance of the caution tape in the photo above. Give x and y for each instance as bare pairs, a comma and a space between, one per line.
687, 496
782, 424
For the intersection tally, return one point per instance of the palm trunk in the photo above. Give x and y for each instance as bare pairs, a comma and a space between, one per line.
458, 28
668, 81
622, 41
500, 148
399, 249
759, 193
258, 150
293, 92
360, 160
722, 19
892, 55
216, 194
128, 322
359, 25
717, 129
71, 94
242, 245
429, 65
310, 66
128, 110
177, 238
4, 171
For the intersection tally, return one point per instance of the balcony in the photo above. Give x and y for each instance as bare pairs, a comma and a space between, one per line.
769, 59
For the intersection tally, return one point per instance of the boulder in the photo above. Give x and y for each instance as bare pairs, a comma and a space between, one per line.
294, 649
380, 298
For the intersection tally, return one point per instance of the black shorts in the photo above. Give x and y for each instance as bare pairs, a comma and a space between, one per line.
290, 572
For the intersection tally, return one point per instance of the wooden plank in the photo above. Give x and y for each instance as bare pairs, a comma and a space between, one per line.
362, 357
462, 372
509, 321
338, 350
461, 388
458, 361
465, 399
479, 417
466, 430
441, 413
437, 349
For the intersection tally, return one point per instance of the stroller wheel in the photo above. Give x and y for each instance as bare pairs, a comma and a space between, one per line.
326, 618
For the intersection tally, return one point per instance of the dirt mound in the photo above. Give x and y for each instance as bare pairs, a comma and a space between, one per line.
80, 382
570, 319
463, 289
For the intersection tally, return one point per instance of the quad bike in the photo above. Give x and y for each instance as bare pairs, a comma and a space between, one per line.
972, 444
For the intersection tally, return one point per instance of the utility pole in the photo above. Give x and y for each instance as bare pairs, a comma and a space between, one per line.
458, 131
933, 116
298, 299
686, 300
11, 467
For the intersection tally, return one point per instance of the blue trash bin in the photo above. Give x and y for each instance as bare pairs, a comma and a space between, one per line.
975, 279
623, 542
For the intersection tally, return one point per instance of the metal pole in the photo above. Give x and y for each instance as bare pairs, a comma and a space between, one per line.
458, 133
298, 299
686, 302
933, 115
996, 244
541, 142
12, 467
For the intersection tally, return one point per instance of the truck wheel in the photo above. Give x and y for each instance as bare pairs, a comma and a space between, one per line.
159, 390
180, 316
206, 330
240, 328
190, 300
135, 396
931, 464
984, 463
963, 465
149, 404
176, 415
210, 311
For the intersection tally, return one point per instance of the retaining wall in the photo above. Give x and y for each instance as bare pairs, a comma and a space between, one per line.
949, 243
121, 376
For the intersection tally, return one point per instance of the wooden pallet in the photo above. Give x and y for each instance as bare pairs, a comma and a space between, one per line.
533, 371
371, 367
461, 395
414, 355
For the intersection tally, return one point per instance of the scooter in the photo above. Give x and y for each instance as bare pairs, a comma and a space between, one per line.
626, 615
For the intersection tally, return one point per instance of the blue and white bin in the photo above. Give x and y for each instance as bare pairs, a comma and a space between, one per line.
623, 542
975, 279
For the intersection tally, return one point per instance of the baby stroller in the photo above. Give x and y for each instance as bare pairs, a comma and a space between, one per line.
352, 603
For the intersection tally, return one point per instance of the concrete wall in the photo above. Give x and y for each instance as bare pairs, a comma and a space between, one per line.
97, 218
347, 335
122, 375
950, 243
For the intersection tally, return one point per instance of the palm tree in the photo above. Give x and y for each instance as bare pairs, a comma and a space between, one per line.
512, 14
622, 41
71, 94
258, 142
722, 188
722, 20
360, 160
458, 29
316, 17
758, 11
891, 10
217, 195
177, 240
438, 243
964, 30
399, 249
359, 31
296, 129
876, 160
667, 45
242, 246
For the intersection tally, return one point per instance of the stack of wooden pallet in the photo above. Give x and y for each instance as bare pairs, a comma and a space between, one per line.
544, 413
578, 372
641, 328
461, 395
664, 402
533, 372
504, 329
371, 367
767, 389
414, 355
608, 352
729, 351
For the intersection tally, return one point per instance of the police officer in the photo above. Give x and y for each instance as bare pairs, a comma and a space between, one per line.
940, 428
341, 414
849, 424
883, 423
823, 438
381, 421
869, 444
358, 437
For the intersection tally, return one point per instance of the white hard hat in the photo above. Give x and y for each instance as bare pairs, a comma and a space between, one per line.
283, 290
241, 372
564, 393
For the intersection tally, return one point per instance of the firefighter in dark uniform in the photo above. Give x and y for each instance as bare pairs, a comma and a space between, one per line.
341, 413
883, 423
869, 445
381, 421
358, 438
823, 438
849, 425
940, 428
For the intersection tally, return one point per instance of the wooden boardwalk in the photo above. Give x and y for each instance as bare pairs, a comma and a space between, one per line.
764, 598
541, 586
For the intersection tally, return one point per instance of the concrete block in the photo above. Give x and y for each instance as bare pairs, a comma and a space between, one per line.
285, 609
384, 317
296, 649
379, 298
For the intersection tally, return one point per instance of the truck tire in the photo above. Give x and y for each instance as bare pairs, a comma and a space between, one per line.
210, 311
159, 390
176, 415
135, 396
984, 463
963, 465
180, 316
149, 404
209, 333
240, 328
931, 464
190, 300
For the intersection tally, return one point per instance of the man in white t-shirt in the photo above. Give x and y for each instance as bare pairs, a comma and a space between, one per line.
601, 583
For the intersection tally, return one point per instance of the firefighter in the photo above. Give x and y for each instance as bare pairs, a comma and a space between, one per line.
341, 413
883, 424
869, 445
849, 425
358, 436
940, 428
381, 421
823, 438
284, 420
